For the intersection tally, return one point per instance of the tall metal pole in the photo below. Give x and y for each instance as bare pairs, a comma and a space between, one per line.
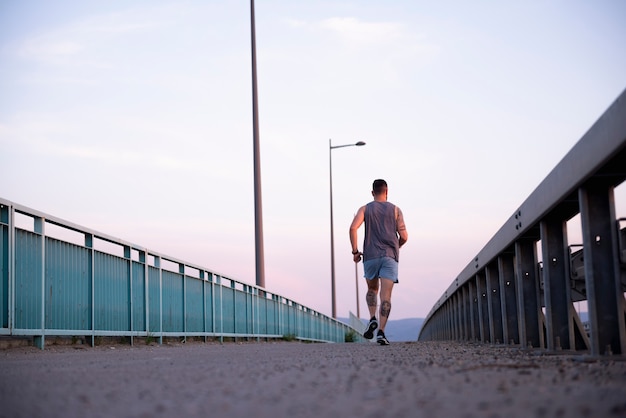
332, 233
356, 277
258, 210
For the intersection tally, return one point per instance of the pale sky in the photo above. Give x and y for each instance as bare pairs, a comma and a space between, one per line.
134, 118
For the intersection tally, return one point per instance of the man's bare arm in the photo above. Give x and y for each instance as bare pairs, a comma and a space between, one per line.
401, 229
354, 227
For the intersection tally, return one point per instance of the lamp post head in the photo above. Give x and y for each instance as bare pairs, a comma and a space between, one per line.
331, 146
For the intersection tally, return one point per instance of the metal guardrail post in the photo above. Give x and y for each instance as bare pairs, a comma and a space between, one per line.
557, 299
40, 340
508, 299
529, 308
602, 277
463, 309
473, 309
7, 261
157, 264
483, 308
129, 275
457, 317
494, 304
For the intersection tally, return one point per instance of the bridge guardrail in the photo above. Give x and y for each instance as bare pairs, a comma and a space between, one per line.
504, 295
62, 279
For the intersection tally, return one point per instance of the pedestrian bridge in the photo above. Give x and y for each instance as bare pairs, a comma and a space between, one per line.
62, 279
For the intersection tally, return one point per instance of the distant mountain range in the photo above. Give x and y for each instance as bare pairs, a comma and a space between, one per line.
408, 329
403, 329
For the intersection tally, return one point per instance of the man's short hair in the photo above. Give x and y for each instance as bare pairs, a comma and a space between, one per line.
379, 186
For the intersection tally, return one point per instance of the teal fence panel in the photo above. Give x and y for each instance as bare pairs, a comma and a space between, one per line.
326, 327
67, 286
306, 327
218, 307
209, 306
290, 315
173, 302
154, 300
262, 312
28, 280
273, 316
227, 318
139, 296
320, 327
111, 293
263, 305
313, 325
4, 271
299, 321
242, 312
194, 305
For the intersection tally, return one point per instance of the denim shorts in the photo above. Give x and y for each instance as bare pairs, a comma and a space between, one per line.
382, 267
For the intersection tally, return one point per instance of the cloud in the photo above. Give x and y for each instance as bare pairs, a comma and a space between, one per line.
82, 37
45, 47
357, 32
385, 49
354, 30
110, 25
145, 159
296, 23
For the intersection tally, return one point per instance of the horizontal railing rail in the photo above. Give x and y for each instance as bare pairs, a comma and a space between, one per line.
505, 295
61, 279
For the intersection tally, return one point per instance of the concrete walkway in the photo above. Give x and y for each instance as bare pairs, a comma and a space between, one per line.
289, 379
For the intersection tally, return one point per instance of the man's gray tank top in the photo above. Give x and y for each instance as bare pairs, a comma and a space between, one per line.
381, 239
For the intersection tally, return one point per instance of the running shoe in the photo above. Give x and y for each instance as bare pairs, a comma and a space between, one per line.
381, 339
369, 332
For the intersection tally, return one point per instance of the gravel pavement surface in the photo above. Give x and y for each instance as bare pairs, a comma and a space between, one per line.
291, 379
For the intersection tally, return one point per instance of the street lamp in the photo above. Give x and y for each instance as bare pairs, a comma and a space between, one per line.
332, 235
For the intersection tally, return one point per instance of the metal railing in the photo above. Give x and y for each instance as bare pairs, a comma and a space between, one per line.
61, 279
505, 295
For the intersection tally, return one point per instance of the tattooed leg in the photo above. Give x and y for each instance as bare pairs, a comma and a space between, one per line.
385, 302
385, 308
371, 296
